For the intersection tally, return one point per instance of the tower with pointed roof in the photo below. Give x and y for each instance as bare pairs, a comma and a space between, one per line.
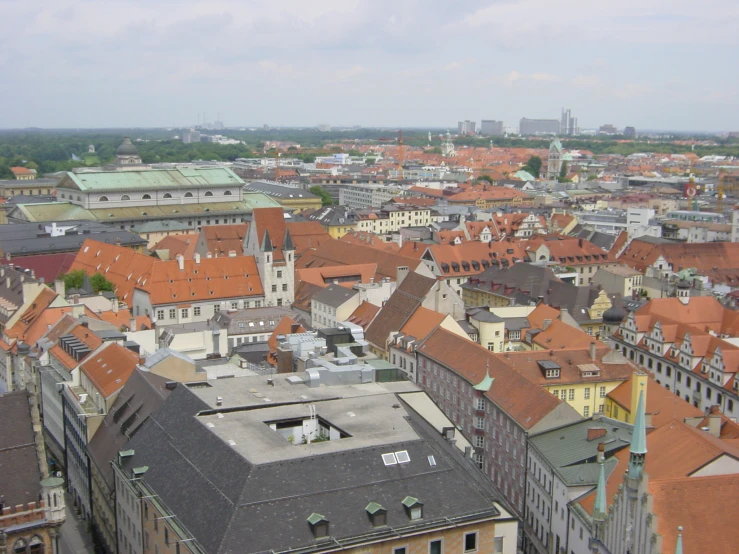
554, 161
269, 241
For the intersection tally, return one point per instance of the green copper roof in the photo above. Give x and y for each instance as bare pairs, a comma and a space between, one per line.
315, 518
151, 179
373, 507
486, 383
599, 510
679, 545
556, 145
524, 175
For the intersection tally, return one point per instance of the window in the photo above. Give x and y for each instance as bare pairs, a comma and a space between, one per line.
125, 197
480, 404
216, 309
208, 193
284, 287
498, 545
160, 315
479, 423
572, 394
146, 197
274, 288
586, 411
103, 199
480, 442
172, 313
279, 274
166, 535
188, 195
470, 542
602, 392
234, 305
400, 550
185, 312
587, 393
435, 547
196, 311
227, 193
279, 301
167, 195
600, 408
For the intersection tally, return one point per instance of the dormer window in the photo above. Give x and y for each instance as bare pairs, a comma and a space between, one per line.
413, 508
377, 514
318, 525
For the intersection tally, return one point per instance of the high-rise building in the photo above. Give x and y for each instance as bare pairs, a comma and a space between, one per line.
191, 136
538, 126
630, 132
608, 129
490, 127
568, 124
466, 127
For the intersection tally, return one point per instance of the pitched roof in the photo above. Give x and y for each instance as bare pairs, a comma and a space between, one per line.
422, 323
286, 326
272, 222
700, 506
79, 332
48, 267
524, 401
110, 368
663, 405
45, 298
307, 235
345, 275
335, 252
151, 179
399, 308
222, 239
471, 258
365, 238
335, 295
643, 252
364, 314
560, 336
178, 245
20, 476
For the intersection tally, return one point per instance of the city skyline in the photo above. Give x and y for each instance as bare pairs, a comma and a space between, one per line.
73, 64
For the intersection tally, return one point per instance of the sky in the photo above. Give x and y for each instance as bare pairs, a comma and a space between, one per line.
653, 64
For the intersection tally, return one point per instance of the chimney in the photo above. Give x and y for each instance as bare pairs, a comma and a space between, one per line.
59, 287
209, 255
114, 305
181, 262
579, 242
196, 257
232, 253
596, 433
601, 451
142, 359
132, 324
592, 351
638, 384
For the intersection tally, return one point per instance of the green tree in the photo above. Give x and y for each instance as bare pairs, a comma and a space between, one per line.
533, 166
74, 279
370, 161
322, 193
487, 178
100, 283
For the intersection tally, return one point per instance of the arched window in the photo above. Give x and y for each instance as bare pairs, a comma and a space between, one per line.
63, 195
208, 193
125, 197
36, 545
188, 195
79, 199
167, 195
20, 547
146, 197
103, 199
227, 193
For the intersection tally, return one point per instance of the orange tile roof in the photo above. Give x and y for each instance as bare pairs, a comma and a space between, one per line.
17, 170
509, 224
527, 364
569, 250
178, 244
435, 193
475, 228
32, 313
463, 255
663, 405
271, 221
110, 368
365, 238
222, 239
521, 399
421, 323
700, 505
414, 201
450, 237
286, 326
560, 221
496, 194
413, 249
541, 313
561, 336
324, 276
307, 235
122, 319
701, 256
364, 314
211, 279
84, 335
335, 252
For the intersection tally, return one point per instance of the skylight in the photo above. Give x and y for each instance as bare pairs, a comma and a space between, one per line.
389, 459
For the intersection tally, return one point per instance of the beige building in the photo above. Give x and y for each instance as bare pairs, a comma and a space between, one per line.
392, 219
619, 279
333, 305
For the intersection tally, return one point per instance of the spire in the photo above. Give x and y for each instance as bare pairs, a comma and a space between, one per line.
599, 510
638, 441
266, 243
287, 244
679, 544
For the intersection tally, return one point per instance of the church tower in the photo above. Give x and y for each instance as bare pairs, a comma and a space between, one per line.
554, 162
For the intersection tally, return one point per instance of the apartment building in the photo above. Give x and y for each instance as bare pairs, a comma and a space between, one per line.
687, 344
360, 196
619, 279
392, 218
399, 484
495, 407
584, 257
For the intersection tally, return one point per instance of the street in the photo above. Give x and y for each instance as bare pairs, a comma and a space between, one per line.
74, 537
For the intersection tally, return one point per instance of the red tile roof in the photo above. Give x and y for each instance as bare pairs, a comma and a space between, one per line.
346, 275
457, 260
307, 235
271, 221
701, 256
110, 368
222, 239
364, 314
47, 266
286, 326
365, 238
178, 244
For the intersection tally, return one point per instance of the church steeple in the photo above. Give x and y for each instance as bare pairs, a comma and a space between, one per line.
638, 448
266, 243
679, 544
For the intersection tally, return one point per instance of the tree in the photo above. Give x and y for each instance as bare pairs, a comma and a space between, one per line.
487, 178
370, 161
533, 166
322, 193
563, 171
100, 283
74, 279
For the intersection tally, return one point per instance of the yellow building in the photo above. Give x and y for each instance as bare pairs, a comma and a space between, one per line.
581, 377
391, 220
337, 220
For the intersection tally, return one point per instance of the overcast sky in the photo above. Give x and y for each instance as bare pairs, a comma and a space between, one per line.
664, 64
